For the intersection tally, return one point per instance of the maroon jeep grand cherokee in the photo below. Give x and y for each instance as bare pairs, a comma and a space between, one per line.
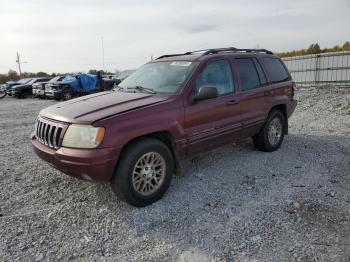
170, 109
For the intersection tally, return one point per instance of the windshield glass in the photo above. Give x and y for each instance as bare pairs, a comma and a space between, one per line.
162, 77
23, 81
32, 81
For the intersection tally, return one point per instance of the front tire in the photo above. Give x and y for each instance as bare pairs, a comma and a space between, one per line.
143, 173
66, 95
271, 135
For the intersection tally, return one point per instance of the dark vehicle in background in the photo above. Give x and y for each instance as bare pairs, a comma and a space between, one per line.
39, 88
170, 109
8, 85
26, 89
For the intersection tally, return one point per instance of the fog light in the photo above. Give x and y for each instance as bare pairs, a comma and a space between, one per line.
86, 177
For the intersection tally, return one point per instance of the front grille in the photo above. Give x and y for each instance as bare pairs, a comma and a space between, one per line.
48, 134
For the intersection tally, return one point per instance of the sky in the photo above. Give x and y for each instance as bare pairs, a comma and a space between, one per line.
66, 35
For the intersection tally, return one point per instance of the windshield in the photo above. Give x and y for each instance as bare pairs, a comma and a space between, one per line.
32, 81
161, 77
24, 81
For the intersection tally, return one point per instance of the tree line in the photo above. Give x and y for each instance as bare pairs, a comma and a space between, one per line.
315, 49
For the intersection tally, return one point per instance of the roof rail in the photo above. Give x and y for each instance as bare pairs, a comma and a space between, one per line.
219, 50
236, 50
164, 56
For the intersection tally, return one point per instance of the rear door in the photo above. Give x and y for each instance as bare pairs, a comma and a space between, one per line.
212, 122
253, 87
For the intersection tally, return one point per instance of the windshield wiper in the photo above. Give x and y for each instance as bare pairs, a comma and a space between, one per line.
141, 88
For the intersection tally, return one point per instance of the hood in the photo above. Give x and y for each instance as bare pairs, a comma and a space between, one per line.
12, 84
88, 109
20, 86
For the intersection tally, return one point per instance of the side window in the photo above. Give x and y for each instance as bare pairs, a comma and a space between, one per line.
217, 74
276, 70
261, 73
247, 73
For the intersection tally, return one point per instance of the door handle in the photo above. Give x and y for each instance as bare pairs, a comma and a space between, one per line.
232, 102
268, 93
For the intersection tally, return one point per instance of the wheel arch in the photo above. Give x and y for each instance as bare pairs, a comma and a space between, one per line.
164, 136
283, 109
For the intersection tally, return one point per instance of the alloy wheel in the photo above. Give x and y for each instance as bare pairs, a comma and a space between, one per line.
275, 131
148, 174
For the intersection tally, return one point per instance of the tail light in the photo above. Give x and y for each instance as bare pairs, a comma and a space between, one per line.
294, 88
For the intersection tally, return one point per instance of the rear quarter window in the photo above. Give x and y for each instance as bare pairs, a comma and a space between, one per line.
275, 69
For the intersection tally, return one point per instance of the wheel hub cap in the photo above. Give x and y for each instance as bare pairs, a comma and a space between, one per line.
148, 174
275, 131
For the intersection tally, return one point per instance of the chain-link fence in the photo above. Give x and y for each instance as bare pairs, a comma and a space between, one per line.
321, 69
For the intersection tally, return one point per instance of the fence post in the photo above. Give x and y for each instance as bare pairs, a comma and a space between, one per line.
316, 80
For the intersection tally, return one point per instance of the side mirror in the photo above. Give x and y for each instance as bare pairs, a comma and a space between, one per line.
205, 92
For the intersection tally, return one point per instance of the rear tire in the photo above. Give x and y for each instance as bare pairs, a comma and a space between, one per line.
143, 173
271, 135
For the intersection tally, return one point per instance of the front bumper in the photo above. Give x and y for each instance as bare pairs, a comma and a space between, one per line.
53, 93
97, 164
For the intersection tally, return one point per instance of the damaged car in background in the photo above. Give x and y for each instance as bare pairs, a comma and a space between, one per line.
39, 88
26, 89
76, 85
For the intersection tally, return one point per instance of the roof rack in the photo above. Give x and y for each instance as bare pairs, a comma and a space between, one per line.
219, 50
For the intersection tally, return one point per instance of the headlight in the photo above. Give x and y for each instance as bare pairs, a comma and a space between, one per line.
83, 136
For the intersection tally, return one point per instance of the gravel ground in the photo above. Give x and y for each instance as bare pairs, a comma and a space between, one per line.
231, 204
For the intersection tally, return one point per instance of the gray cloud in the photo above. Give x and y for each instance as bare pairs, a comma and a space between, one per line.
66, 35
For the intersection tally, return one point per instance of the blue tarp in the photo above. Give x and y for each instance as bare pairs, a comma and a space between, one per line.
82, 82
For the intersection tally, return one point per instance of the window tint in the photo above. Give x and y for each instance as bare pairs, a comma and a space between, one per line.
217, 74
261, 73
275, 69
247, 73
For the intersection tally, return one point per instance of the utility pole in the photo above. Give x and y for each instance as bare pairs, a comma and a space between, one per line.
103, 54
18, 61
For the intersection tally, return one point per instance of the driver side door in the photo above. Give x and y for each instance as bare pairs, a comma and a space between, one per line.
216, 121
